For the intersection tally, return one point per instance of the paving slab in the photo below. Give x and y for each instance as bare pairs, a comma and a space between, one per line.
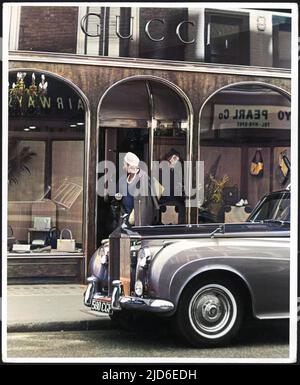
49, 308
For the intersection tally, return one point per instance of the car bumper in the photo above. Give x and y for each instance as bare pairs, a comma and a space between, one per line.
121, 302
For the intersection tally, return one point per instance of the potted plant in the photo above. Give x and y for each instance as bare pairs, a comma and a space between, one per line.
213, 201
19, 159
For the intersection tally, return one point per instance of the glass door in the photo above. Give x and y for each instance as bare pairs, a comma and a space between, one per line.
150, 119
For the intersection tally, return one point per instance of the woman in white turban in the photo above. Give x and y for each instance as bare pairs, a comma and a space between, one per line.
133, 187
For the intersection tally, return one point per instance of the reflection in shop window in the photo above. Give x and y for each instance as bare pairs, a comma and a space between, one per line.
26, 165
281, 42
227, 38
45, 161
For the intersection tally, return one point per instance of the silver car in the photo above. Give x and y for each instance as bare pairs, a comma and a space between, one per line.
206, 277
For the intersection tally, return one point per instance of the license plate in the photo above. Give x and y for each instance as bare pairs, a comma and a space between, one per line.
101, 305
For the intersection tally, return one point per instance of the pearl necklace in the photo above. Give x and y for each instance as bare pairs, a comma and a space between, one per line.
129, 182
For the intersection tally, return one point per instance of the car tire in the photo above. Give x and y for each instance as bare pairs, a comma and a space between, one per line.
209, 312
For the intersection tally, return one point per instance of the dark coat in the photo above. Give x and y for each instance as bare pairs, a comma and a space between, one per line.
146, 207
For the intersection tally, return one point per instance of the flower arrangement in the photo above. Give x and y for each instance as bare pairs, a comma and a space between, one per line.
23, 99
214, 190
19, 88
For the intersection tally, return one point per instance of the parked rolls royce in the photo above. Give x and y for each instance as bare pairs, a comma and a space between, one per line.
205, 277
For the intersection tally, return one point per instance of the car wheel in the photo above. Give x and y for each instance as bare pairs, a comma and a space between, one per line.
209, 313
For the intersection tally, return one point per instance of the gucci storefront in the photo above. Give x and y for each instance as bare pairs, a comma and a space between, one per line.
68, 112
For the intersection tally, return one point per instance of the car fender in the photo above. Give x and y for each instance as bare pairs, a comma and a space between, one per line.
259, 263
182, 278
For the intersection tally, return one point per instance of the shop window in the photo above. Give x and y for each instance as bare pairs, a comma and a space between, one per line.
45, 160
227, 38
244, 133
281, 42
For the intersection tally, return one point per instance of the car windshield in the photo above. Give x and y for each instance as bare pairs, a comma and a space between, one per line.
274, 207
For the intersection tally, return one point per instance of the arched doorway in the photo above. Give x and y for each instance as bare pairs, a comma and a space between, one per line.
241, 125
148, 116
47, 161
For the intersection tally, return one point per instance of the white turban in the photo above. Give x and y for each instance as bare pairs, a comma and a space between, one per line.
132, 159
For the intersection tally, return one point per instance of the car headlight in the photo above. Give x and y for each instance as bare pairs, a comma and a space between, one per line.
138, 288
104, 254
144, 257
99, 259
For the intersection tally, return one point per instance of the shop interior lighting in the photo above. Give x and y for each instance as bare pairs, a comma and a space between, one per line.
19, 88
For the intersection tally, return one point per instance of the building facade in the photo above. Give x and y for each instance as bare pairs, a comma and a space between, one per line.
86, 84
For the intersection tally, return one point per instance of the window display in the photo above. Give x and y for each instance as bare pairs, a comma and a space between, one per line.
244, 141
45, 160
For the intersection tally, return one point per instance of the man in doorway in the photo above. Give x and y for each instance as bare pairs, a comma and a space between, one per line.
175, 197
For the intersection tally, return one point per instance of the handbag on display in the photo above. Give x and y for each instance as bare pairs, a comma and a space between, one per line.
66, 244
11, 239
285, 167
52, 237
257, 164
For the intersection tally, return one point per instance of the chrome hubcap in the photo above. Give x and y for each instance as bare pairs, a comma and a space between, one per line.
212, 311
210, 308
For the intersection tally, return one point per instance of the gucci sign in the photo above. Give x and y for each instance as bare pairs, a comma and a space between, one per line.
84, 23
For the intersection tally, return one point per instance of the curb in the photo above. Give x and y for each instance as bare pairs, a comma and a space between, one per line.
55, 326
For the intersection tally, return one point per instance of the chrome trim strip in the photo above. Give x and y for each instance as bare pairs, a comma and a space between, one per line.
270, 234
88, 294
92, 279
152, 128
43, 256
148, 305
279, 316
116, 293
52, 57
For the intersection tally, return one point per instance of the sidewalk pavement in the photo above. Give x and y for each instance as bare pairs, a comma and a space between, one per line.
50, 308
